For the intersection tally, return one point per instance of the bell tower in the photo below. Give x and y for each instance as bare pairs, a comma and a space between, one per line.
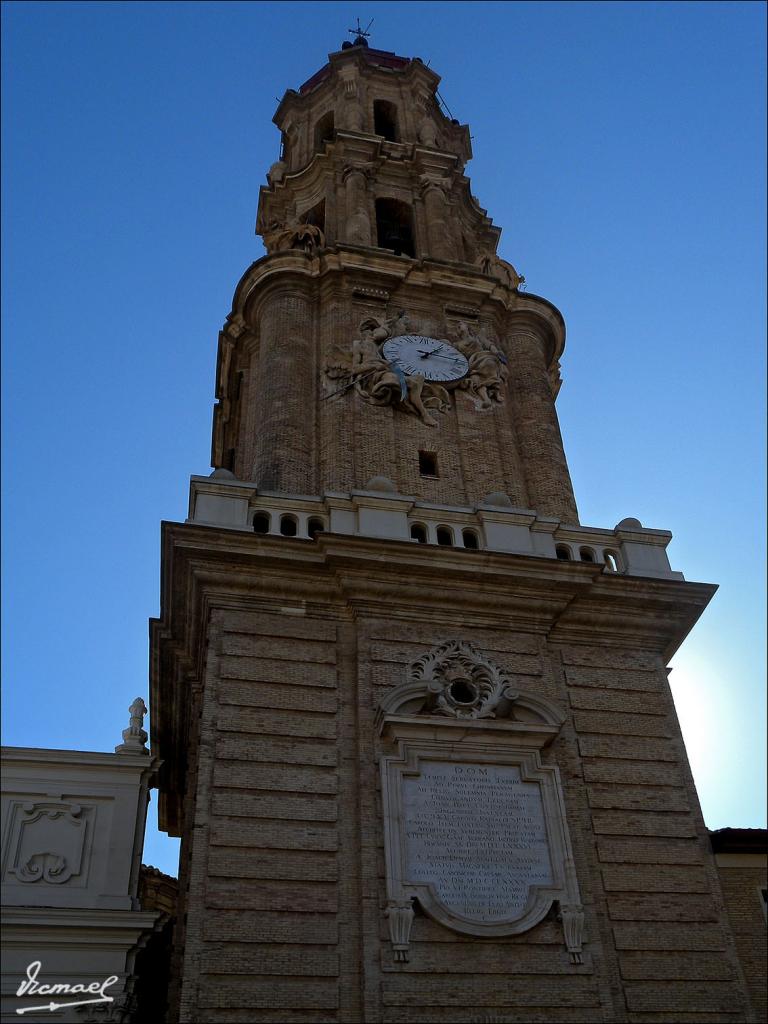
373, 233
414, 720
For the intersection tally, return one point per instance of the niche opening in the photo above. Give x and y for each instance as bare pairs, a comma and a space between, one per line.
385, 119
394, 227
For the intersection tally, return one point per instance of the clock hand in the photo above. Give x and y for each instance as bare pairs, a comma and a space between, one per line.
438, 354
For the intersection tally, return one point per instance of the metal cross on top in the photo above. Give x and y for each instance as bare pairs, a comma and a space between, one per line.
361, 34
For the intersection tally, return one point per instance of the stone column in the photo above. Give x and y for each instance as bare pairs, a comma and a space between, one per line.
538, 432
283, 395
351, 110
357, 229
436, 211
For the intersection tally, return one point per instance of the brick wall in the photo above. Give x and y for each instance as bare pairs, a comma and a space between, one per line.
287, 878
744, 879
286, 437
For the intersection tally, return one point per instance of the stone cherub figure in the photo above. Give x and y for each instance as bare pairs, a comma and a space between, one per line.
488, 370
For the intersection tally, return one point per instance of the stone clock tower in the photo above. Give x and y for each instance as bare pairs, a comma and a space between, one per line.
414, 719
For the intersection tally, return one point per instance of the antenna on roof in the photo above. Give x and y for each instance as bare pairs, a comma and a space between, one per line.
361, 34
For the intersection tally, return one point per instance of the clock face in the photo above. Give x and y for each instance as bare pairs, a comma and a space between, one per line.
434, 359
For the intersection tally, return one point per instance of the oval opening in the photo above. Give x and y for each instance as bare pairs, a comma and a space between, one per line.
315, 526
288, 526
418, 533
261, 522
611, 561
463, 692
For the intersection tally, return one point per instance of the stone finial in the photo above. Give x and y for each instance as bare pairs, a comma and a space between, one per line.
134, 737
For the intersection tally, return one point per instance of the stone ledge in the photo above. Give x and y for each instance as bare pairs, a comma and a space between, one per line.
229, 504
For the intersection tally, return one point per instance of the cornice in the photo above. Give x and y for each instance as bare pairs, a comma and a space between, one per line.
373, 265
76, 760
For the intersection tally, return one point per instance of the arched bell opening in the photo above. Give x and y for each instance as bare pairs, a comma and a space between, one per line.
315, 216
394, 227
324, 130
385, 120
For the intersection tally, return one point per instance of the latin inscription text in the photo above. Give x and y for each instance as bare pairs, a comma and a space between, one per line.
476, 833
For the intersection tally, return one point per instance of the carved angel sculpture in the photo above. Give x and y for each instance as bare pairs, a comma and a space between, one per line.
494, 266
488, 369
278, 237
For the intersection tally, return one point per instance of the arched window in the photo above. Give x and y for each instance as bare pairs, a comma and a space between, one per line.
419, 533
563, 552
385, 119
324, 130
611, 561
445, 536
315, 526
470, 539
288, 526
586, 554
394, 227
315, 216
261, 522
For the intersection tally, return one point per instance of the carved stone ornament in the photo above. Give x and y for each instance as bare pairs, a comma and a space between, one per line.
277, 172
474, 824
494, 266
280, 237
48, 842
488, 368
380, 381
465, 684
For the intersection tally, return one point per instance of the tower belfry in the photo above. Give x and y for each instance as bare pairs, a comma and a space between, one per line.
416, 730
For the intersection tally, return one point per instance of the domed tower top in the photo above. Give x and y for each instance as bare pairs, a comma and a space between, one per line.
374, 113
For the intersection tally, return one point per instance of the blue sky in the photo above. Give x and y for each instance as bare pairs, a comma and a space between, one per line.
621, 148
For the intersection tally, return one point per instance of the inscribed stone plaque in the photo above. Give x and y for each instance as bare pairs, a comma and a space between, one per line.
476, 833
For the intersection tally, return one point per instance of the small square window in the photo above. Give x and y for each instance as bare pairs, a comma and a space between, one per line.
428, 463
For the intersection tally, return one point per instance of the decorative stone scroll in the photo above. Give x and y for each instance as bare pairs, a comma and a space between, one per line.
474, 824
48, 841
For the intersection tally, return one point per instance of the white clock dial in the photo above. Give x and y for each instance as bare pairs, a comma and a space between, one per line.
434, 359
